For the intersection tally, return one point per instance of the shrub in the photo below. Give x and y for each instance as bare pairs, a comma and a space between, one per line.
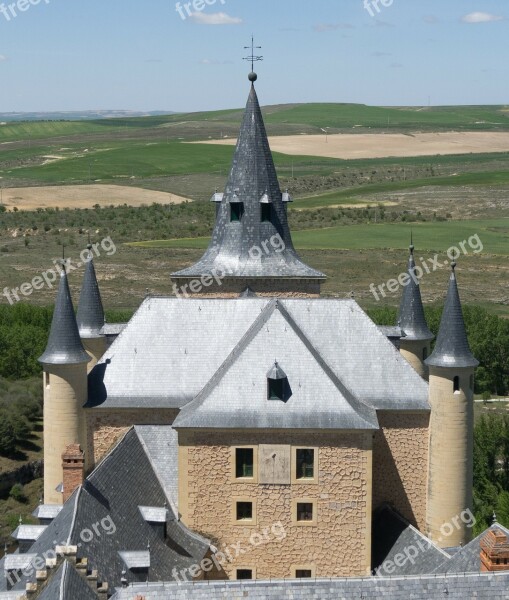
7, 437
18, 493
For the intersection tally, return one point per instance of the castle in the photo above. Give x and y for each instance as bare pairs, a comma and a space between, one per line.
252, 409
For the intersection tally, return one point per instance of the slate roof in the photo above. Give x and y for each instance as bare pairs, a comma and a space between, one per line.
411, 317
64, 344
90, 316
172, 348
468, 558
67, 584
28, 532
252, 177
400, 549
47, 511
484, 586
236, 397
452, 348
110, 498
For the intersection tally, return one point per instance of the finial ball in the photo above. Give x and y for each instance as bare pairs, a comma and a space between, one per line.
453, 264
253, 76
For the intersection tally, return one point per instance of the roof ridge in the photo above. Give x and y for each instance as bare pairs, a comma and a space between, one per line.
230, 360
346, 392
76, 494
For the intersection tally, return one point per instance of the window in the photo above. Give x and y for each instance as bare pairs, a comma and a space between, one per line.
236, 211
244, 462
303, 573
305, 463
456, 384
47, 379
266, 213
244, 573
244, 511
304, 511
276, 389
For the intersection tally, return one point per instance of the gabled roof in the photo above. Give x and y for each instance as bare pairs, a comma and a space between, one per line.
236, 397
244, 248
64, 345
90, 316
411, 317
172, 348
47, 511
452, 348
67, 584
28, 532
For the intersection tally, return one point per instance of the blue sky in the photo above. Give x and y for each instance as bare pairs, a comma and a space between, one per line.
127, 54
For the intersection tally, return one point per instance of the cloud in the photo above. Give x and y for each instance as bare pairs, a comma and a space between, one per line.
481, 17
220, 18
431, 19
210, 61
3, 57
380, 54
322, 27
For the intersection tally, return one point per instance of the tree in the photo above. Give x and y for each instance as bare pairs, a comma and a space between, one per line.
7, 437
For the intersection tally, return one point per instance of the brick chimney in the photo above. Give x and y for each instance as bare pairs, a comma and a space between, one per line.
495, 551
73, 467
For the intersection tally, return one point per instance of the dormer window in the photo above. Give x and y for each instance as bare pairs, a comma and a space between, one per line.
456, 384
236, 211
278, 387
266, 210
286, 197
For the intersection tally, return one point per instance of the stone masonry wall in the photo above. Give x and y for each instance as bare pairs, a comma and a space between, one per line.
340, 542
400, 464
106, 427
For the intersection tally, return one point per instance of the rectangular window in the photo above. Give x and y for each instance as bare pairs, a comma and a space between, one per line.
244, 573
244, 511
244, 462
305, 463
304, 511
276, 388
236, 211
266, 213
303, 573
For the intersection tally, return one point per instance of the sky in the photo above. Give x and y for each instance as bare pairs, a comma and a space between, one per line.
58, 55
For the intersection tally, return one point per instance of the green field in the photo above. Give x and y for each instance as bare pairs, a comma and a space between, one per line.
431, 237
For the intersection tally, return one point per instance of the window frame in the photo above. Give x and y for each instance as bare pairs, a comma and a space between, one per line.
266, 213
304, 480
245, 568
312, 522
308, 567
279, 382
238, 212
254, 478
456, 384
244, 522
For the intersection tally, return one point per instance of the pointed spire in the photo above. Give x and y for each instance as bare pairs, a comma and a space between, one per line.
452, 348
411, 317
241, 244
90, 315
64, 344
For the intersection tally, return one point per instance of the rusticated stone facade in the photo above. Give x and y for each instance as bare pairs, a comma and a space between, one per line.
106, 427
400, 464
337, 544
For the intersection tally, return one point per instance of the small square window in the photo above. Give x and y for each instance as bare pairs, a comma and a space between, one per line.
266, 213
236, 211
303, 573
244, 511
244, 462
304, 511
244, 573
305, 463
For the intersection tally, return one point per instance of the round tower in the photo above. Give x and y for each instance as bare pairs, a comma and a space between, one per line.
416, 340
65, 390
90, 316
451, 396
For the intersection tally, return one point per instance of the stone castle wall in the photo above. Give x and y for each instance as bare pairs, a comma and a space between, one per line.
400, 464
338, 544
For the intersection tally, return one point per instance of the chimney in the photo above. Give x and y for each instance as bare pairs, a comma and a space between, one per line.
73, 466
495, 551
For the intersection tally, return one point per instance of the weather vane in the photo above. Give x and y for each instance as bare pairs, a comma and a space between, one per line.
253, 58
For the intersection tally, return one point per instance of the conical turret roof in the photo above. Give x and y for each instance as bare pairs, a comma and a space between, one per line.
246, 245
64, 344
411, 317
452, 348
90, 316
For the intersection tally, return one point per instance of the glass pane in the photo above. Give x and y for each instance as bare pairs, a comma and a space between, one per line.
304, 511
305, 464
276, 389
302, 573
244, 462
244, 511
245, 574
266, 213
236, 210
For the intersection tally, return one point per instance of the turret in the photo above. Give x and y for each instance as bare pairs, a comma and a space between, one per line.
451, 396
90, 315
416, 340
65, 390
